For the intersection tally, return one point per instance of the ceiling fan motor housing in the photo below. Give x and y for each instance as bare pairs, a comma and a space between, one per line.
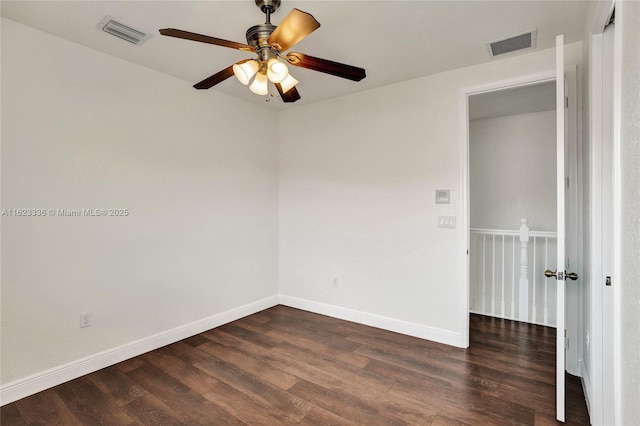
257, 38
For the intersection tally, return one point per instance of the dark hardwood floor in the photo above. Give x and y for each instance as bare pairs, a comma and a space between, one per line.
287, 366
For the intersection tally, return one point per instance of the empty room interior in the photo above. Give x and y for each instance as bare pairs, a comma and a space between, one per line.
320, 212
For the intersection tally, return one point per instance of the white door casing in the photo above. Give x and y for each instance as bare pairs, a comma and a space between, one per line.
560, 229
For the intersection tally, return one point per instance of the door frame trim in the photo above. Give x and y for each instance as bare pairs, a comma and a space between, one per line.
465, 228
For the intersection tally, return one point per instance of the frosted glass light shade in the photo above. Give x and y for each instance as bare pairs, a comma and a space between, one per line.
277, 71
259, 85
245, 70
288, 83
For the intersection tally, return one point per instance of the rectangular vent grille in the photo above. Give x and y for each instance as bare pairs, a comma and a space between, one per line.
513, 44
109, 25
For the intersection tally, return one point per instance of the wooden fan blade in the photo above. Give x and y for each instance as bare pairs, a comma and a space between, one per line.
326, 66
296, 26
291, 95
172, 32
208, 83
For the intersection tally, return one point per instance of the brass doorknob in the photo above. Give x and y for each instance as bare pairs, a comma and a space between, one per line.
549, 273
571, 275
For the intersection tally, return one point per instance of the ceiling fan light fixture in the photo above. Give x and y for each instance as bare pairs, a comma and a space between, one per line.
277, 71
288, 83
260, 85
244, 70
267, 41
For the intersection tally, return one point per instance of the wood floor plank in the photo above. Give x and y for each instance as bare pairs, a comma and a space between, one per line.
421, 366
296, 408
89, 404
434, 357
250, 335
182, 371
514, 382
252, 361
130, 364
336, 376
186, 403
288, 366
114, 383
346, 405
247, 408
388, 338
326, 366
46, 405
149, 410
321, 417
10, 415
181, 350
441, 420
506, 364
459, 399
336, 347
196, 340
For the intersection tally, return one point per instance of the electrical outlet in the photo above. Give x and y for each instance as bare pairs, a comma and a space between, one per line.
85, 319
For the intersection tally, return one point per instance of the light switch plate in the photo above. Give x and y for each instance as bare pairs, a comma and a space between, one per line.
446, 221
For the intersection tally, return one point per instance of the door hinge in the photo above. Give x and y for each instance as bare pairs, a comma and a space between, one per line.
566, 180
566, 343
566, 102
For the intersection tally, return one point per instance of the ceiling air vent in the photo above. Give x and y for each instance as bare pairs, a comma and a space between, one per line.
517, 43
113, 27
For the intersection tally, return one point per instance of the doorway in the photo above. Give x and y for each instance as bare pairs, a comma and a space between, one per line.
568, 190
512, 194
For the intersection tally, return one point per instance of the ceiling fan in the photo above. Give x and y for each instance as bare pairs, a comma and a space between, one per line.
268, 42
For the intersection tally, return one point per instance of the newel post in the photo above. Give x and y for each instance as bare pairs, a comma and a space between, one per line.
523, 312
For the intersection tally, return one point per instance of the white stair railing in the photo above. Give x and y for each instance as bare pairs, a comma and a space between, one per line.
493, 274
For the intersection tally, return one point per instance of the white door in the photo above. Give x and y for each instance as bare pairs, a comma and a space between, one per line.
565, 232
561, 161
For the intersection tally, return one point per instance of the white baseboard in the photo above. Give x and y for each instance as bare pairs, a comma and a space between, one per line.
378, 321
38, 382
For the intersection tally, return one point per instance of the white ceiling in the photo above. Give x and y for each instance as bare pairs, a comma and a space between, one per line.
393, 40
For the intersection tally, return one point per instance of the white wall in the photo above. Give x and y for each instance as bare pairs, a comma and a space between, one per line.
81, 129
512, 171
628, 16
357, 202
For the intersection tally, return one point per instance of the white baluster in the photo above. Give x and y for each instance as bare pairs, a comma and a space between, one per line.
473, 273
513, 277
493, 275
546, 282
502, 312
534, 308
484, 275
523, 314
